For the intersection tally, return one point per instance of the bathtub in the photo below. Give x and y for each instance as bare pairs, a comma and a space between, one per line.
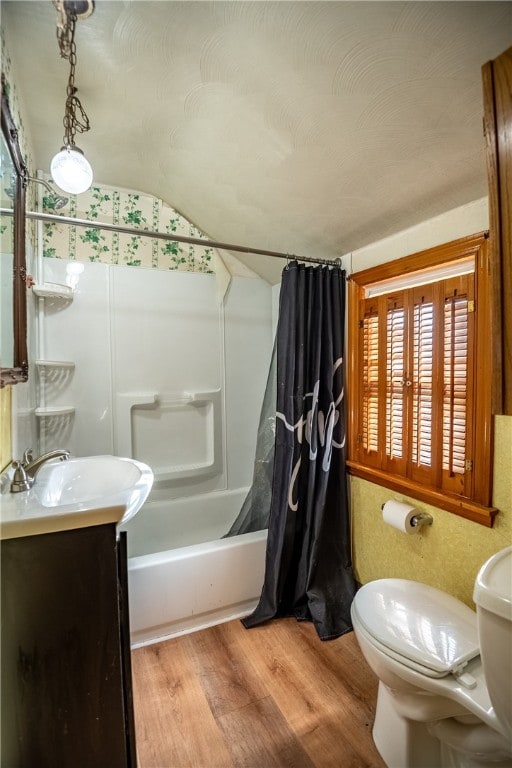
182, 576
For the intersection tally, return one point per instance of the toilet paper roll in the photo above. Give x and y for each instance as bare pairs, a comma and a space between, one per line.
399, 515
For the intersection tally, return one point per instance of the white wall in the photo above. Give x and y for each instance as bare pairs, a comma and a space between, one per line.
451, 225
135, 332
459, 222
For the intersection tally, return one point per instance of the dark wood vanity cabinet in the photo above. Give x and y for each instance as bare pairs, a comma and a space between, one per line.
65, 657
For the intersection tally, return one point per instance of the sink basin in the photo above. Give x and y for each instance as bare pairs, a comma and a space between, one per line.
91, 482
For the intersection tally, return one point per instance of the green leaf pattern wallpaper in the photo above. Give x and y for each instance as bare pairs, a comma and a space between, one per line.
102, 203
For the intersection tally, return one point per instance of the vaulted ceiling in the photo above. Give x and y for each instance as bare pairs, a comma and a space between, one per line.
311, 128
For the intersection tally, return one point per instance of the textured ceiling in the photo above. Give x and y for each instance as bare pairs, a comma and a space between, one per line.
311, 128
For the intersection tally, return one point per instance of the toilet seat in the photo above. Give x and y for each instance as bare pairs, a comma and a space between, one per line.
423, 628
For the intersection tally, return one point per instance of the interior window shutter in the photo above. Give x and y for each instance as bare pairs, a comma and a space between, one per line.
368, 438
457, 389
424, 464
420, 377
396, 383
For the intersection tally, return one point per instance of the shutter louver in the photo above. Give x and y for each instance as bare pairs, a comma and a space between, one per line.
370, 382
422, 407
455, 384
395, 375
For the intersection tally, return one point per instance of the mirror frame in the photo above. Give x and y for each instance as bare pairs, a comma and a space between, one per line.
19, 371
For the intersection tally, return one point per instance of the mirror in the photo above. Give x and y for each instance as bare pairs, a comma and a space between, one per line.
13, 298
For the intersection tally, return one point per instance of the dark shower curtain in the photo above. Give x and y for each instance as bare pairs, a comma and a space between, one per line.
308, 571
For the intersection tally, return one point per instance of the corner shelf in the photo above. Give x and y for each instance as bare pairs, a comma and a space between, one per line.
54, 410
54, 364
53, 290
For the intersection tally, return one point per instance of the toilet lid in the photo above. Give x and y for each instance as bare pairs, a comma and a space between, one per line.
420, 624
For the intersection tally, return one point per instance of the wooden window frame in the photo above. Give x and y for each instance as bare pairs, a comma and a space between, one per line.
477, 507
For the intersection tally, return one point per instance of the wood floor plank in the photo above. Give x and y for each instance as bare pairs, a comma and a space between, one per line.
291, 676
175, 727
259, 736
309, 687
272, 696
227, 678
344, 660
328, 746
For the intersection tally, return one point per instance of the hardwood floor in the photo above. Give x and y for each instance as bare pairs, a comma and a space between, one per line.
270, 697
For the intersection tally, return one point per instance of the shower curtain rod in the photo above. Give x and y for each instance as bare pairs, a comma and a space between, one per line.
54, 218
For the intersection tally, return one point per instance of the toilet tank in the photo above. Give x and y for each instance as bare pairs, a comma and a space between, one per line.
493, 598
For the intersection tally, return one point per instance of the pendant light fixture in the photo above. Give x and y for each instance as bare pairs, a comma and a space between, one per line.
69, 168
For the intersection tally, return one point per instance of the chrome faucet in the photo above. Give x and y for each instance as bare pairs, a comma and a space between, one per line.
25, 471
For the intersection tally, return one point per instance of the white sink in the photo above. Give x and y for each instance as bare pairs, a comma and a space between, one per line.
75, 493
94, 481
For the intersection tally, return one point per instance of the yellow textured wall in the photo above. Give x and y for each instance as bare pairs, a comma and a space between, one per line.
5, 427
447, 554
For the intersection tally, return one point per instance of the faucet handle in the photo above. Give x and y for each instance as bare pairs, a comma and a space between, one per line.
27, 457
20, 480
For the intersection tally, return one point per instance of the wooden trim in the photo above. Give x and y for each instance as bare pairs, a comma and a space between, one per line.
491, 147
482, 414
432, 257
476, 505
19, 370
503, 103
497, 93
460, 506
354, 395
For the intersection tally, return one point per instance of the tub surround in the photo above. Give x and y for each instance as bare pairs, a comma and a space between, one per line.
192, 417
151, 411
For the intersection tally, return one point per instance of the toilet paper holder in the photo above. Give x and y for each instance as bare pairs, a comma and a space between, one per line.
421, 518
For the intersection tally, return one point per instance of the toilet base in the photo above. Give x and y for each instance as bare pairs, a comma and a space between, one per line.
406, 743
471, 746
451, 758
402, 743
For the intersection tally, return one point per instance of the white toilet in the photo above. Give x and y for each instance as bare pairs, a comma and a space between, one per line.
445, 672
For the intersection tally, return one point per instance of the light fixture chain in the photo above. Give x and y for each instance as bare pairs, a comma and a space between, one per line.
75, 117
63, 28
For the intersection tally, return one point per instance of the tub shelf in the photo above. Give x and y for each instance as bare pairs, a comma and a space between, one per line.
199, 411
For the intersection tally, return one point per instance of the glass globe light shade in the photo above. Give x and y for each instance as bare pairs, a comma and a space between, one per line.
71, 171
